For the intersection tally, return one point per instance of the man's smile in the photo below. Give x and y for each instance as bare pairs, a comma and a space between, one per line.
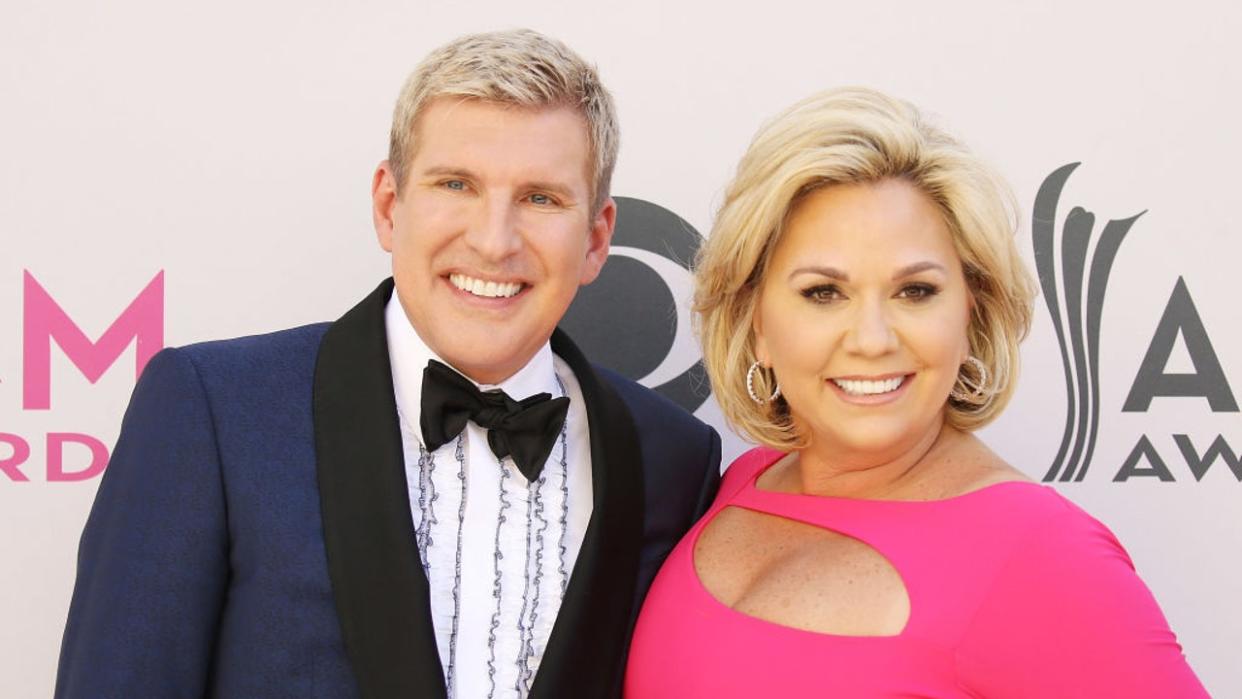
485, 289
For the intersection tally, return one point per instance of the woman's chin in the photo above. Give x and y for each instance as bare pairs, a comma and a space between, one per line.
881, 437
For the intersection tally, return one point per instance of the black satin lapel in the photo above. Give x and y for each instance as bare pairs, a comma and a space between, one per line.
377, 580
592, 631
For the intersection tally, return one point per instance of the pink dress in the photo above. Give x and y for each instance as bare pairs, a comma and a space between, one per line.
1014, 592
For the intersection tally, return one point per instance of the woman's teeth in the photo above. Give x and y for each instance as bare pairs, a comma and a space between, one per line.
859, 387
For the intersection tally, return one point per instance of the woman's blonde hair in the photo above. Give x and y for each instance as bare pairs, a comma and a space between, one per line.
848, 136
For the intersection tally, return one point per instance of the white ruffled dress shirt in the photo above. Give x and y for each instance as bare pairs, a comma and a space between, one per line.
498, 551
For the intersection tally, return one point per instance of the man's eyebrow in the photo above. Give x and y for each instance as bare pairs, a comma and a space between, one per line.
911, 270
830, 272
440, 170
561, 190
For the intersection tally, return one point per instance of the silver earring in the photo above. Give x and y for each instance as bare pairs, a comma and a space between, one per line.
750, 386
974, 391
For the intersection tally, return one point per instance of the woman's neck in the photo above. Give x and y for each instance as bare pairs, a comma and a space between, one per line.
899, 473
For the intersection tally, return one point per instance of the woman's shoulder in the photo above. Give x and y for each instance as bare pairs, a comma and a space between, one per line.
1047, 514
1045, 522
1010, 495
1067, 614
1044, 542
744, 468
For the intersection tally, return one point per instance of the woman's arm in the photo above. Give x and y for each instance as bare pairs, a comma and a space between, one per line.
1069, 617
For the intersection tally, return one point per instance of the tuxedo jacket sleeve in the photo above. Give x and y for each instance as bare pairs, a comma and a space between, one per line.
153, 564
201, 569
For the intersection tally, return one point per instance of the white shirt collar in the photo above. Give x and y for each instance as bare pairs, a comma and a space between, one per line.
409, 355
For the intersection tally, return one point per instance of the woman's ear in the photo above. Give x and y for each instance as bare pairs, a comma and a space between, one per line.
760, 341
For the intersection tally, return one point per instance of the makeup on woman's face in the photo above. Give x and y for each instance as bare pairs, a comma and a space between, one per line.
863, 314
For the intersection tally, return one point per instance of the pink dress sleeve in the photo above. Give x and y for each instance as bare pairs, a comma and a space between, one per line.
1068, 617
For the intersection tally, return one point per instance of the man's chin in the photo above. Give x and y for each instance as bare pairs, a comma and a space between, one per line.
478, 355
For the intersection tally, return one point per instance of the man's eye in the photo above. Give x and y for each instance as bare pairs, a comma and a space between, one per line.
822, 293
540, 199
455, 185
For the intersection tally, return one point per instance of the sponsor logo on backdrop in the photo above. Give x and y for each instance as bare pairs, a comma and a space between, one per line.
45, 321
635, 318
1075, 301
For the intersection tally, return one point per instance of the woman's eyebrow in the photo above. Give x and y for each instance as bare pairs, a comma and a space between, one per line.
911, 270
830, 272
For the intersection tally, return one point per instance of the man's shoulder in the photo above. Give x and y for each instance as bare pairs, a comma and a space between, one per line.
279, 343
292, 350
681, 454
647, 405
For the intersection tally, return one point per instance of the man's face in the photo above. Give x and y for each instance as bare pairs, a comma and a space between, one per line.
493, 233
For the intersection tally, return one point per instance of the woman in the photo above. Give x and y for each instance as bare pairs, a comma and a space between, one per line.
861, 301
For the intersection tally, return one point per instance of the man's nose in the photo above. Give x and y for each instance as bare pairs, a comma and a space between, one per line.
493, 231
871, 331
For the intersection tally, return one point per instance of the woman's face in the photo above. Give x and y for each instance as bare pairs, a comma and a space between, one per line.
863, 315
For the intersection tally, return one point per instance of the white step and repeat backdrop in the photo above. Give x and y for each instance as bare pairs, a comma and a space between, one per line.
171, 173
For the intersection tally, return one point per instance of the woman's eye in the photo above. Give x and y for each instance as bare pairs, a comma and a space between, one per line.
918, 292
823, 293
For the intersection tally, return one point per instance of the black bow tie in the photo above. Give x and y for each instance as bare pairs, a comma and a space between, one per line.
525, 430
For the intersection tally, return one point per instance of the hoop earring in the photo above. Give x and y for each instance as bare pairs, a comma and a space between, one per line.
976, 391
750, 386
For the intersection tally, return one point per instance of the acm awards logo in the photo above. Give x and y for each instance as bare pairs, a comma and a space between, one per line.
44, 321
1075, 301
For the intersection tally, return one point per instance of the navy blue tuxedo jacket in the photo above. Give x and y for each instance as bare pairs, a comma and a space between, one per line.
252, 536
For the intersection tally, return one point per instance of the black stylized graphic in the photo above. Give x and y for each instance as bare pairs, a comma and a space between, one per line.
630, 319
1181, 319
1079, 340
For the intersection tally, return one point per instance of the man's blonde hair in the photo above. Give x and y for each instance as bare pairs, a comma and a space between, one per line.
848, 136
519, 67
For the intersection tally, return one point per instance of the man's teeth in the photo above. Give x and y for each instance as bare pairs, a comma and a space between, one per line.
856, 387
478, 287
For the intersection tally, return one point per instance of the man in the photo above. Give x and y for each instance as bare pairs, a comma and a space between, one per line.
436, 494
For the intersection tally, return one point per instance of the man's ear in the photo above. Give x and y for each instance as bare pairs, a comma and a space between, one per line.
383, 200
598, 241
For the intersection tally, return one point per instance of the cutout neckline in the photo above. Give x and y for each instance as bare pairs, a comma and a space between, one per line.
750, 488
701, 588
